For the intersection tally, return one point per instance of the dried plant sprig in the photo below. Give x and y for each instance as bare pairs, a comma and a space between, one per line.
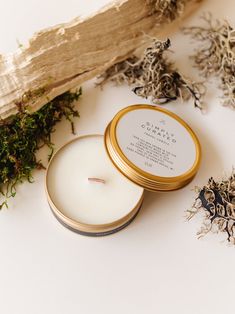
154, 76
217, 201
24, 134
167, 9
216, 54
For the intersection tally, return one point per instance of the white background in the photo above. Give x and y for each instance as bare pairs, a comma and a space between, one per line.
157, 264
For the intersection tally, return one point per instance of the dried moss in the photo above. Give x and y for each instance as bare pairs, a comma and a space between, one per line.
166, 10
154, 77
24, 134
217, 201
215, 56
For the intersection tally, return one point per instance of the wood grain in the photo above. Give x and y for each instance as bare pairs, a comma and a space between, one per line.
63, 57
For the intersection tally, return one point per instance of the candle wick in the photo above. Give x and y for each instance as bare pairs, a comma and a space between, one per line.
96, 180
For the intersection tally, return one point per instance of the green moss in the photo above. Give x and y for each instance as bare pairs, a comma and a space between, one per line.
24, 134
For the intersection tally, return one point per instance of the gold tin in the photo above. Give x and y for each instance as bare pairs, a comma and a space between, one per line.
94, 230
146, 179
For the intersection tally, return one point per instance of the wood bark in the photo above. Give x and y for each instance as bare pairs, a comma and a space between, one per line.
63, 57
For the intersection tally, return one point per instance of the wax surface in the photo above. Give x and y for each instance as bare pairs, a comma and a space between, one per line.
83, 200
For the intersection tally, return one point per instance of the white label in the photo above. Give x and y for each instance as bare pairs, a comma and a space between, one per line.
156, 143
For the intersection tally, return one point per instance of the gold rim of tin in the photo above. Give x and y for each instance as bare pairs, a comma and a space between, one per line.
134, 173
83, 227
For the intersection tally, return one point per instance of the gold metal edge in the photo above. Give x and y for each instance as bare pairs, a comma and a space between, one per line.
83, 226
171, 114
137, 175
137, 179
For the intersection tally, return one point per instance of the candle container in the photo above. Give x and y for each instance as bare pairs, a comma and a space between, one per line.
86, 193
95, 184
153, 147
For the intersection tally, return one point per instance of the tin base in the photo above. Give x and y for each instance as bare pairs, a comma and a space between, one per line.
97, 234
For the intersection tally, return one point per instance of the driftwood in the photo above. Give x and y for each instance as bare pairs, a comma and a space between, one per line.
62, 57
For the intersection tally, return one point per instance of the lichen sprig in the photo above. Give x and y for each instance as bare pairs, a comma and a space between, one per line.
217, 201
24, 134
167, 10
215, 57
154, 76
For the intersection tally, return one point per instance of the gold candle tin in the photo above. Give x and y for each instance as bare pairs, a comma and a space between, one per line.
61, 212
90, 229
136, 138
152, 147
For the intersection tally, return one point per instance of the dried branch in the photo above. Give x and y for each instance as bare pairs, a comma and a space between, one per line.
62, 57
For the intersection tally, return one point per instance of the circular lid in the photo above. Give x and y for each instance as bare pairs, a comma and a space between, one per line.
153, 147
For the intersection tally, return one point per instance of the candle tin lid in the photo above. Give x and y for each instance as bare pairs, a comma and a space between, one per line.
153, 147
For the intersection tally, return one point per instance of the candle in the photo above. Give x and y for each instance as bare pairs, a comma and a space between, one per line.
95, 183
85, 190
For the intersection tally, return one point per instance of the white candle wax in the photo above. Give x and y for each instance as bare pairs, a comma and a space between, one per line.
85, 186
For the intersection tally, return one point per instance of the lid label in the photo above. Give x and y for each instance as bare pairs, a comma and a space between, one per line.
153, 154
156, 142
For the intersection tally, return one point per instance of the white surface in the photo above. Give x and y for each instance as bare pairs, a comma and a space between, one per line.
85, 201
156, 265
